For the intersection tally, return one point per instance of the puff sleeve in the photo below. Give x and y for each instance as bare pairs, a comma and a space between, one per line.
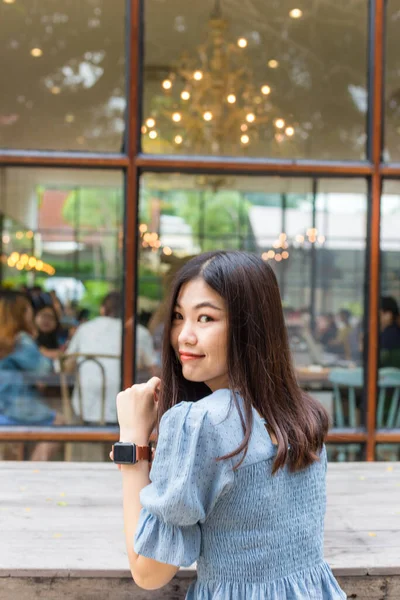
186, 483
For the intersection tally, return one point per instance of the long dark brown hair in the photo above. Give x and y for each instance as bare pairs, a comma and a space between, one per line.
13, 321
259, 359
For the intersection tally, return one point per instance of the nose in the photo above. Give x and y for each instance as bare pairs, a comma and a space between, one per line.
187, 334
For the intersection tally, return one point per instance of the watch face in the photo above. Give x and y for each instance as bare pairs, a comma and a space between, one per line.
123, 453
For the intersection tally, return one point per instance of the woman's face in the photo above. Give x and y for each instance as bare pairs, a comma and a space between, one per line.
199, 334
46, 320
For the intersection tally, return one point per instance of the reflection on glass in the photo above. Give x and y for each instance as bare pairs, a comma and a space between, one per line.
388, 406
312, 233
76, 451
345, 452
64, 67
392, 83
251, 79
60, 285
387, 452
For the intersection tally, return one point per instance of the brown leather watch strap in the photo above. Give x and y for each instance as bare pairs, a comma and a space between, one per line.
143, 453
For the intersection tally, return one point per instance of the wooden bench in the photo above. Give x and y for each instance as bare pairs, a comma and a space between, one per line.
62, 533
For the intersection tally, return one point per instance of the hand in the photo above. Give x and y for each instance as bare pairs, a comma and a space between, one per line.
137, 411
111, 455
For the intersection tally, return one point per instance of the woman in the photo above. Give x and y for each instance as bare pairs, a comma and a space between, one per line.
48, 328
329, 331
20, 360
238, 479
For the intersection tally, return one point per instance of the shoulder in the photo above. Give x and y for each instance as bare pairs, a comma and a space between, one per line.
212, 409
190, 434
89, 325
24, 338
25, 341
108, 326
391, 333
93, 327
204, 426
84, 327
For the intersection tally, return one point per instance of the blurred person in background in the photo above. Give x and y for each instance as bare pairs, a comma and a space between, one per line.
48, 331
340, 345
147, 359
102, 335
65, 327
56, 302
328, 331
20, 361
390, 333
83, 315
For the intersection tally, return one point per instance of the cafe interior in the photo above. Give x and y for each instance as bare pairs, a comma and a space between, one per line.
126, 150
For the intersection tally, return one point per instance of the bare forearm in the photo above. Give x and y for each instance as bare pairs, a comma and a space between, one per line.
137, 415
134, 479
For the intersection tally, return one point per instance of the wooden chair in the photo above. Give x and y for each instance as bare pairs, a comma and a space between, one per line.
346, 383
70, 364
388, 413
388, 409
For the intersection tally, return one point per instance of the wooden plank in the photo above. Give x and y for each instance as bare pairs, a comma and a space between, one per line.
55, 514
222, 164
371, 588
59, 434
44, 588
38, 158
39, 588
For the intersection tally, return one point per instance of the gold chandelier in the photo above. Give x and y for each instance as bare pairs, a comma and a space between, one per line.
210, 103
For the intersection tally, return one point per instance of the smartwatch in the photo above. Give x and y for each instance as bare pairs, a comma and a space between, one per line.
126, 453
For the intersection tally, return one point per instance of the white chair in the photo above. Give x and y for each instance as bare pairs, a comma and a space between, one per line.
70, 365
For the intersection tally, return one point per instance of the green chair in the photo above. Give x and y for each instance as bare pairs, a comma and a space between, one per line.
388, 409
388, 414
346, 383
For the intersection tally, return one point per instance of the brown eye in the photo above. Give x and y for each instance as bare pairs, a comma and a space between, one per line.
205, 319
176, 316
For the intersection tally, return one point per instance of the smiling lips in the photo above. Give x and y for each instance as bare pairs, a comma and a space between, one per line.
187, 356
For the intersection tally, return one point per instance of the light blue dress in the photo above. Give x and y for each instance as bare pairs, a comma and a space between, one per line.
254, 536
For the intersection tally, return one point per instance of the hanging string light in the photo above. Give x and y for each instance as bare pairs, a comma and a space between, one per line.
26, 262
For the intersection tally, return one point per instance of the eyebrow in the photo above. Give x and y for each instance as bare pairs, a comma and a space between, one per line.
202, 305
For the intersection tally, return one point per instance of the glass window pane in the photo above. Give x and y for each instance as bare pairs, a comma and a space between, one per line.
61, 240
312, 233
75, 451
387, 452
349, 452
392, 92
388, 406
256, 78
64, 64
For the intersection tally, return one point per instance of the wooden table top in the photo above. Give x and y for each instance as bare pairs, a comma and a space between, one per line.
312, 374
65, 519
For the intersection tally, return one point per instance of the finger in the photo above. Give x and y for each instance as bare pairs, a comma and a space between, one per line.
154, 384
